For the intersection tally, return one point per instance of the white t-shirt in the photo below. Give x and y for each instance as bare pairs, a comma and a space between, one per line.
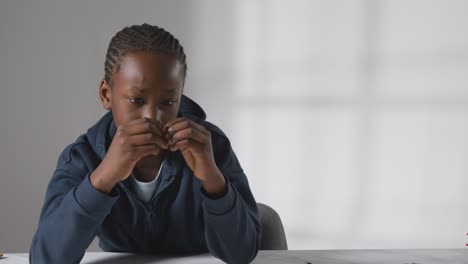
145, 190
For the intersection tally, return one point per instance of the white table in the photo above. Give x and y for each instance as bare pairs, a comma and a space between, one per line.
399, 256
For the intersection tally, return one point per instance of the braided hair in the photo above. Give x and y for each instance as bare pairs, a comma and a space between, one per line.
141, 38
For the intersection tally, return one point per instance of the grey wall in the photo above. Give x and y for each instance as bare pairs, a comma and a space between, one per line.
349, 117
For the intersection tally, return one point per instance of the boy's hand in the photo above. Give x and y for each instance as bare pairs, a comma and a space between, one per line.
132, 141
194, 142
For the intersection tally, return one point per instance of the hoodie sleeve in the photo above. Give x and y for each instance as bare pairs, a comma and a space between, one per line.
232, 226
72, 212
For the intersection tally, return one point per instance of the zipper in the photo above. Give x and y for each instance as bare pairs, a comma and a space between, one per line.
154, 202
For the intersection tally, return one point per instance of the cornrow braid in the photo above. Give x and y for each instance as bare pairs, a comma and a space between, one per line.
141, 38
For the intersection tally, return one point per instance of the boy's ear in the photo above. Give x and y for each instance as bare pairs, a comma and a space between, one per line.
105, 94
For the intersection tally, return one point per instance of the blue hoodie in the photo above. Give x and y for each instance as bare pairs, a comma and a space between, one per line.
180, 218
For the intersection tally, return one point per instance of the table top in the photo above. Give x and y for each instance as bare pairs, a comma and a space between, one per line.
420, 256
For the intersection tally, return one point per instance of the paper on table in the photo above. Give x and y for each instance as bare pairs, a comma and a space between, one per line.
14, 259
123, 258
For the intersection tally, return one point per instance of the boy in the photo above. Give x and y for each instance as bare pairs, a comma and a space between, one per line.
151, 176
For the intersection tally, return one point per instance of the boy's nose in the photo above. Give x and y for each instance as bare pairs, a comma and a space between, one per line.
152, 114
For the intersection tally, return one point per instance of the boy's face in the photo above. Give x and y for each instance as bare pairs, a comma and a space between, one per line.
147, 84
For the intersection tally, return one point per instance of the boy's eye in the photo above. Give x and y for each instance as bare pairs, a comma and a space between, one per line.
136, 100
168, 102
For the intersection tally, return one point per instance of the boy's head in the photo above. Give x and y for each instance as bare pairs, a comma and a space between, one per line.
145, 70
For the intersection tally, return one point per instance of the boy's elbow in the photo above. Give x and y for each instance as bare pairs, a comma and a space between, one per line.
254, 253
242, 255
242, 258
250, 252
35, 255
38, 253
42, 251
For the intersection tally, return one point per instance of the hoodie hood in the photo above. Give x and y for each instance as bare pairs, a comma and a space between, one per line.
101, 134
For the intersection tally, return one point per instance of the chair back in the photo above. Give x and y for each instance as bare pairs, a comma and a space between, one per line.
273, 235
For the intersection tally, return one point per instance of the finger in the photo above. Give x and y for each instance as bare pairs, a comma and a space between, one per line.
180, 119
143, 126
184, 144
174, 121
183, 124
189, 132
147, 139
